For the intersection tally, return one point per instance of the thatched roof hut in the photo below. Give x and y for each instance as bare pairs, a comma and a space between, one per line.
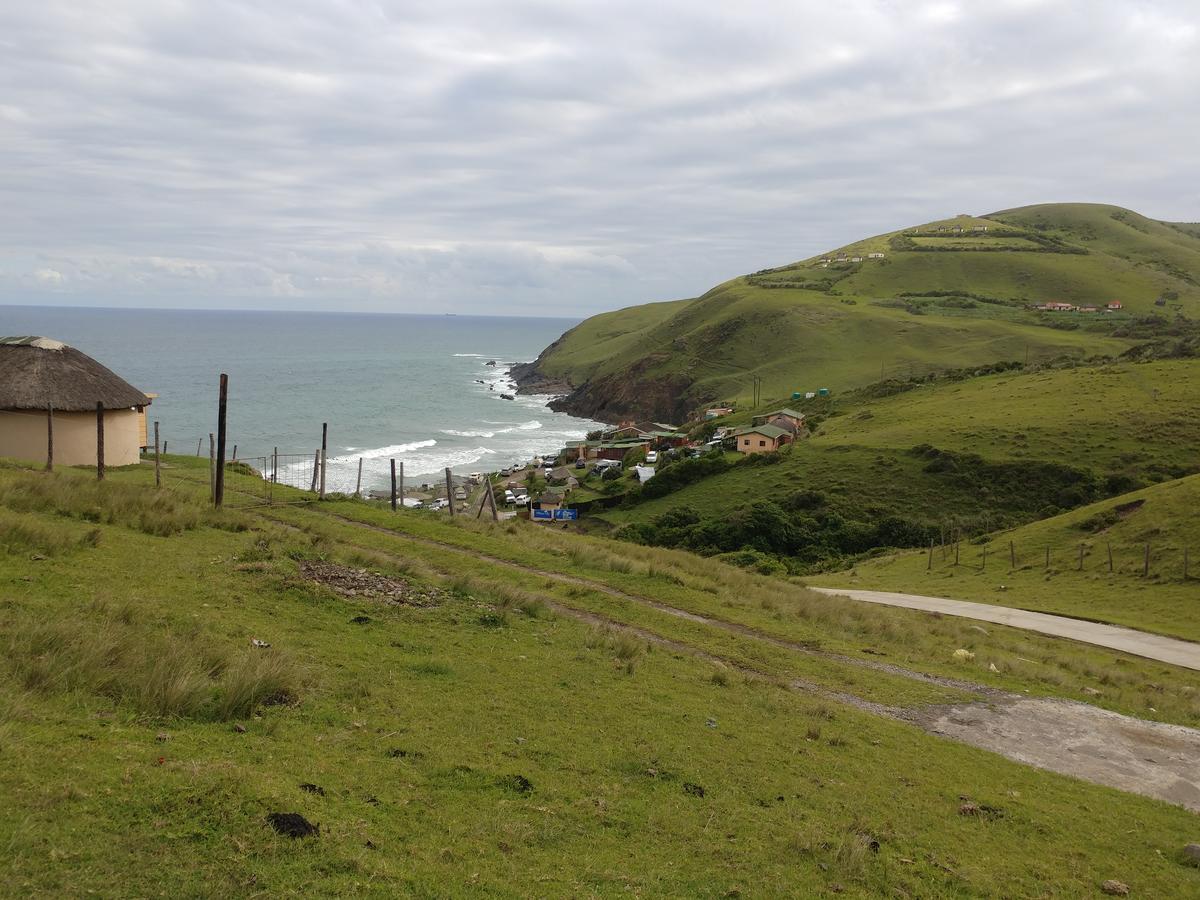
37, 372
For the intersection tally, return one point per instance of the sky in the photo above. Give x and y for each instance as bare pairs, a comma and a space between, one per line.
553, 157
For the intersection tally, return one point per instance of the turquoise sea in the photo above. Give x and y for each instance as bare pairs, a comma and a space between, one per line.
390, 386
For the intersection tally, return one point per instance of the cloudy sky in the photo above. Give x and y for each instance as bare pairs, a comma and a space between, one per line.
553, 157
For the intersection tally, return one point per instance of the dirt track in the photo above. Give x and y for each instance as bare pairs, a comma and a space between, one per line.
1072, 738
1127, 640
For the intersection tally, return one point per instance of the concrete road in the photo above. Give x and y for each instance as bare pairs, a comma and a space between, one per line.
1139, 643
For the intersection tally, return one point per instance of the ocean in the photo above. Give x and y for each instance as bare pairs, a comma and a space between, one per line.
416, 388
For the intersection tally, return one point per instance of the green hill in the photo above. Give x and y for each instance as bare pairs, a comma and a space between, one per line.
1147, 592
941, 295
964, 456
505, 710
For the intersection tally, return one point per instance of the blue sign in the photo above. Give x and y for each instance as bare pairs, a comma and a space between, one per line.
566, 514
543, 514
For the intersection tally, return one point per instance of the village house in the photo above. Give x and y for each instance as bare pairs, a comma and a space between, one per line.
717, 411
1114, 306
761, 439
1089, 309
788, 419
1056, 306
874, 256
47, 386
856, 259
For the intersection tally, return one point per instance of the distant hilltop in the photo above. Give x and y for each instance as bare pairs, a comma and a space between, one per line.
963, 291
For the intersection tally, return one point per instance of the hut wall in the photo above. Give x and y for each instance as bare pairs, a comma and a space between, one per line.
23, 436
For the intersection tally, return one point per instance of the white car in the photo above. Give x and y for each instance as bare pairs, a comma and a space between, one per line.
522, 499
651, 457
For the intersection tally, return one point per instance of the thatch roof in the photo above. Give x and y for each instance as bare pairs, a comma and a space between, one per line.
37, 372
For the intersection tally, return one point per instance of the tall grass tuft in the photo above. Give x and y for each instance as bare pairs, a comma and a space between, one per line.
106, 652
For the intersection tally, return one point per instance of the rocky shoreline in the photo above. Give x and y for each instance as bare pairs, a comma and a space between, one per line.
611, 398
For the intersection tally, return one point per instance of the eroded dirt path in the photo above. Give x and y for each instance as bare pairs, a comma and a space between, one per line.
1064, 736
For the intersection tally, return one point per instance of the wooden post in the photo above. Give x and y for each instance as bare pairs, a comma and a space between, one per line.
1081, 557
316, 468
99, 441
956, 553
1146, 562
1110, 561
234, 453
275, 465
222, 404
165, 448
198, 440
157, 460
929, 564
324, 455
492, 501
358, 483
450, 491
1012, 556
401, 483
983, 567
49, 438
393, 485
212, 468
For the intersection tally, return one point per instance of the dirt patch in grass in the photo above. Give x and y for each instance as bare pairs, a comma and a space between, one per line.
362, 584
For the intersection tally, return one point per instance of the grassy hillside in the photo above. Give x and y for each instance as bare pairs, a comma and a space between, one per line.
937, 299
1163, 517
966, 456
501, 711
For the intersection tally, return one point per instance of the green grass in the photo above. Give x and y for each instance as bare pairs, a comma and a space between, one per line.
1162, 516
800, 326
485, 745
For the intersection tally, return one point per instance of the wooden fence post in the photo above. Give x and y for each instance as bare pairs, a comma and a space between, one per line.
1108, 544
49, 438
99, 441
1081, 557
234, 457
1146, 562
222, 409
275, 465
157, 461
316, 469
401, 483
983, 568
929, 564
198, 440
956, 553
1012, 556
324, 455
212, 468
450, 491
165, 447
358, 483
393, 485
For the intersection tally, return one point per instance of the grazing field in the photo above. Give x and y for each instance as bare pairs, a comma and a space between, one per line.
1140, 591
499, 710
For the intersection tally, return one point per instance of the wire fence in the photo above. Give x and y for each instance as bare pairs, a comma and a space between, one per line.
1166, 560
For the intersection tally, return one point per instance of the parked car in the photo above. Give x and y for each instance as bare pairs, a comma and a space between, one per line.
521, 499
580, 464
651, 457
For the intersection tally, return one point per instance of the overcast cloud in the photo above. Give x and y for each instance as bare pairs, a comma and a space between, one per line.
553, 157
